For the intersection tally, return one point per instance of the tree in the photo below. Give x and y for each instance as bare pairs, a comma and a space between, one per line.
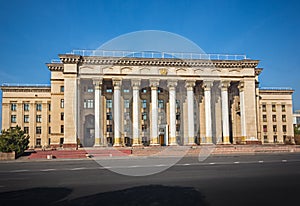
14, 139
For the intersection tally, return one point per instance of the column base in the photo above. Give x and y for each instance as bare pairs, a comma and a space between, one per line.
226, 140
173, 144
154, 144
172, 141
70, 146
136, 142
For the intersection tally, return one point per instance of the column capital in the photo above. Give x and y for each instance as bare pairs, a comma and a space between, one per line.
207, 84
98, 83
224, 84
189, 84
172, 84
117, 82
135, 83
241, 86
154, 82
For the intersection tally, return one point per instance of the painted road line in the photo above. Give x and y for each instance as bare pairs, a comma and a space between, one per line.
236, 162
284, 160
19, 171
260, 161
78, 168
47, 170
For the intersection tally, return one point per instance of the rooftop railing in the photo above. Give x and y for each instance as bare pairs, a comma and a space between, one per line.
276, 88
24, 85
153, 54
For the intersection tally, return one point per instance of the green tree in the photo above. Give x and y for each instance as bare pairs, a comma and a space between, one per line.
14, 139
297, 130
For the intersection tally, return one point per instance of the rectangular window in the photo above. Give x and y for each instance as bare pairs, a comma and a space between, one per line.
126, 103
62, 103
26, 130
38, 142
283, 108
108, 103
49, 107
13, 118
26, 118
61, 128
274, 118
109, 116
275, 138
284, 118
38, 130
126, 128
88, 104
273, 108
26, 107
144, 116
126, 90
38, 107
49, 118
161, 103
109, 90
127, 116
38, 118
284, 128
264, 108
13, 107
62, 116
264, 118
144, 127
177, 116
266, 139
49, 130
61, 141
144, 90
62, 89
177, 127
90, 89
274, 128
177, 104
265, 128
144, 103
109, 128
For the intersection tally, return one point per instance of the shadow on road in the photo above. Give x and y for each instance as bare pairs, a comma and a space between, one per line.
154, 195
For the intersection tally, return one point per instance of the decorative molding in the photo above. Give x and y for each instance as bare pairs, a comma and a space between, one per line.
69, 58
55, 66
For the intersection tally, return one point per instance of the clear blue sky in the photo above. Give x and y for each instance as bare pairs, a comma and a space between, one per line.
34, 32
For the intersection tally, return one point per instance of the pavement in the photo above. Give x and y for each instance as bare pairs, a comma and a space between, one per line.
253, 179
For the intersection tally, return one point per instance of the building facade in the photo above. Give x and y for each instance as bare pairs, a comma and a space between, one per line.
131, 101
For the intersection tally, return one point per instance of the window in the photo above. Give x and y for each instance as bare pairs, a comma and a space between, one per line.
177, 127
109, 128
264, 108
62, 103
49, 118
273, 108
161, 103
144, 103
275, 138
283, 108
38, 118
126, 128
144, 90
126, 90
108, 103
109, 90
274, 128
61, 141
61, 128
284, 128
177, 116
144, 116
90, 89
144, 127
38, 130
109, 116
265, 128
88, 104
38, 142
38, 107
26, 130
274, 118
127, 116
266, 139
49, 130
49, 107
13, 107
62, 88
13, 118
177, 104
26, 118
26, 107
62, 116
126, 103
159, 90
284, 118
264, 118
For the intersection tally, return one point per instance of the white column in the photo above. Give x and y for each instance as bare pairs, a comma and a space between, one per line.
135, 112
208, 123
154, 112
117, 112
242, 112
225, 115
172, 111
190, 102
98, 114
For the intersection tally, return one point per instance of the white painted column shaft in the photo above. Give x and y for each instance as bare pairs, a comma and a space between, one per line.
135, 113
225, 115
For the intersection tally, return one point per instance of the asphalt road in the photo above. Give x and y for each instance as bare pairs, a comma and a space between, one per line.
219, 180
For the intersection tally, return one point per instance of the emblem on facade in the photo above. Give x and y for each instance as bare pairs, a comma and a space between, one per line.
163, 71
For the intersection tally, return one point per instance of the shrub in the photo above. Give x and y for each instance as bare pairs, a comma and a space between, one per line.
14, 139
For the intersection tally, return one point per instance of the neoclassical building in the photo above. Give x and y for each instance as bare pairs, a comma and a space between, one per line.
123, 100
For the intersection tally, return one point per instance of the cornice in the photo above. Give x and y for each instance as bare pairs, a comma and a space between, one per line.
169, 62
55, 66
69, 58
25, 89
